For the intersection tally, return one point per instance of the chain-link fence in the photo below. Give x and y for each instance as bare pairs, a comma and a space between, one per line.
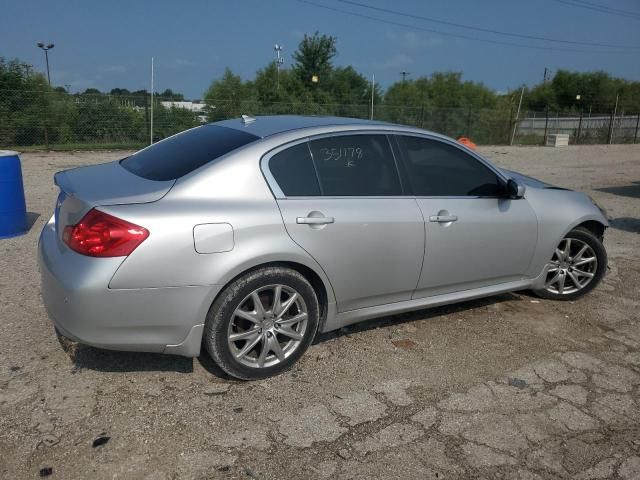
591, 128
59, 120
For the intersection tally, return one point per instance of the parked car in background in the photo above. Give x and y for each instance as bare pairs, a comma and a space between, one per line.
251, 235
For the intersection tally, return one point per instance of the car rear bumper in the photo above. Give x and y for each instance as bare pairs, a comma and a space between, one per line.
76, 294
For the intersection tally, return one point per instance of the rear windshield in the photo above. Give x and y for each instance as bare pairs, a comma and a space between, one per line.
183, 153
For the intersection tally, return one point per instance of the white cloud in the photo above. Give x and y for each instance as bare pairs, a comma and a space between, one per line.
398, 60
76, 82
178, 63
297, 34
413, 40
112, 68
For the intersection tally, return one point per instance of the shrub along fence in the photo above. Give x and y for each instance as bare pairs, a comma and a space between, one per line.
59, 120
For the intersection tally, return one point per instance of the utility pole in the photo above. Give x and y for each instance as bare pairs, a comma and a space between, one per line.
546, 75
613, 118
279, 61
151, 124
45, 49
373, 89
404, 75
515, 124
579, 100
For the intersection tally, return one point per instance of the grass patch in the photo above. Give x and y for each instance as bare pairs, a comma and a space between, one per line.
529, 140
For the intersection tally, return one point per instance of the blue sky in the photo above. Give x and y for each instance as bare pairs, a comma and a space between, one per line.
109, 44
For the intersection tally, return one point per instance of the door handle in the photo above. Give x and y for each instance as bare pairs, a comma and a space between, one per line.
315, 220
443, 218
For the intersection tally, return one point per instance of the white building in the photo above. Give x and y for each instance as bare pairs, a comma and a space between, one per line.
196, 107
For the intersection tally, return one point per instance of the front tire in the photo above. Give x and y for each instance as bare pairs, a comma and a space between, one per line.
576, 267
262, 323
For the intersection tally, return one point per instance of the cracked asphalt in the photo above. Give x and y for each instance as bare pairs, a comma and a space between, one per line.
510, 386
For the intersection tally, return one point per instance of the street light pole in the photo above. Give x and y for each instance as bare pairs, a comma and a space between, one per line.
46, 49
579, 100
279, 61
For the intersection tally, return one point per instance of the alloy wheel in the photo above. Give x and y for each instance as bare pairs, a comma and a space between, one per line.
572, 267
267, 326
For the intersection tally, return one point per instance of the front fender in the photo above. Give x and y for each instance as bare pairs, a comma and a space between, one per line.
559, 212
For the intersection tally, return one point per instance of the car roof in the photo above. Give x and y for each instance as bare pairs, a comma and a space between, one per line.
268, 125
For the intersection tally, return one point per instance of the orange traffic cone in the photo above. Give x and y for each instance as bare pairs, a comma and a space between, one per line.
467, 142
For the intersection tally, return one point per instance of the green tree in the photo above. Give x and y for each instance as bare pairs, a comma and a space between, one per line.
25, 101
224, 97
169, 94
169, 121
269, 87
313, 57
120, 91
348, 86
598, 91
446, 104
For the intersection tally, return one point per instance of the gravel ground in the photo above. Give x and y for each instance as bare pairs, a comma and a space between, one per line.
505, 387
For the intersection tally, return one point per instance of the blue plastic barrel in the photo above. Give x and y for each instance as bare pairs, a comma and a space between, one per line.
13, 209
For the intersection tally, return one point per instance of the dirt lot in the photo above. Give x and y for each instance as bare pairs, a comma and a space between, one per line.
506, 387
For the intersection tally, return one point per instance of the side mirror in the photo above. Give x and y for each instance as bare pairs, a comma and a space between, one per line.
515, 190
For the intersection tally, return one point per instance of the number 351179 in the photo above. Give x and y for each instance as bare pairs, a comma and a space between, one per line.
347, 154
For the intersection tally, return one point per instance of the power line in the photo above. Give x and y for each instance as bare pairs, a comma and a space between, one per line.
458, 35
486, 30
600, 8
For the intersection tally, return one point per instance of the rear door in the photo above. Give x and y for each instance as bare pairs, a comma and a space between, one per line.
342, 201
475, 236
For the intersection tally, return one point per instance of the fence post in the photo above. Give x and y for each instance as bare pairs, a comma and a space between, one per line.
46, 120
510, 126
46, 136
613, 117
546, 125
532, 124
635, 136
579, 129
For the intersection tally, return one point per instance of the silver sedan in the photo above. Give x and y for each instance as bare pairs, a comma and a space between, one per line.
251, 235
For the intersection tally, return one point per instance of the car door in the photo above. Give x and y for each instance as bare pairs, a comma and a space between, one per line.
475, 235
342, 201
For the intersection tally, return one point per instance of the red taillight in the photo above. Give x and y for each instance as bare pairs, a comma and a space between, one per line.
102, 235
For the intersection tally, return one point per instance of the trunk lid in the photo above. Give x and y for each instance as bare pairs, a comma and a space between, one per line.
84, 188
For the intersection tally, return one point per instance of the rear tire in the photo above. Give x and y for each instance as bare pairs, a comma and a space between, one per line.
262, 323
576, 267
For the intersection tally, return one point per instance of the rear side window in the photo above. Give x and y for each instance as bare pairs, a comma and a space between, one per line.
437, 169
355, 165
293, 170
183, 153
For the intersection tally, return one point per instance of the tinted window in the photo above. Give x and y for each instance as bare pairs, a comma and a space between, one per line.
355, 165
178, 155
293, 170
438, 169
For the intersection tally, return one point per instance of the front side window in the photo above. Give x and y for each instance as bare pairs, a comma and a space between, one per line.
355, 165
436, 169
